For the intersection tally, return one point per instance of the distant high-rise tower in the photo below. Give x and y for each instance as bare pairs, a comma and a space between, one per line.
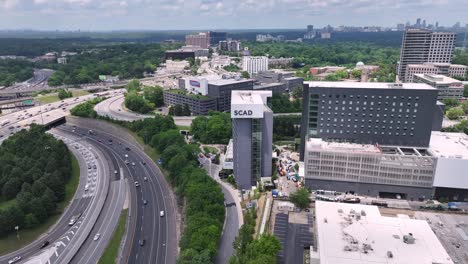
418, 23
420, 45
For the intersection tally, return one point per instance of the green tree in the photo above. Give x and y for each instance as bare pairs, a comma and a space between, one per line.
464, 106
455, 113
297, 92
245, 75
186, 110
356, 73
154, 95
465, 91
133, 86
231, 68
300, 198
266, 246
62, 94
136, 103
451, 102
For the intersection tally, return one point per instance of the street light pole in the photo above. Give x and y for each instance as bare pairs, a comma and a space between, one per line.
17, 232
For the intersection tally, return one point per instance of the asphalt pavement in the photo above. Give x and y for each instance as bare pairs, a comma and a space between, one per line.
62, 236
158, 233
43, 114
112, 108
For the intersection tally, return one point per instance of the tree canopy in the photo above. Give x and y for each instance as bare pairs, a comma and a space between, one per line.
12, 71
34, 168
204, 199
123, 60
280, 103
214, 129
300, 198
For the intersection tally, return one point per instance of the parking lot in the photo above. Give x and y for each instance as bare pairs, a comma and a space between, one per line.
452, 232
294, 230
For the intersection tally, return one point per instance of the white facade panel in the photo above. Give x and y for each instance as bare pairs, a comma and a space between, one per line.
451, 173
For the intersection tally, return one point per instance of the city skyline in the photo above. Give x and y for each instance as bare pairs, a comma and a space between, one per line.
90, 15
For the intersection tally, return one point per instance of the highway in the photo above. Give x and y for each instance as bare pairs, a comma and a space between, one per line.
90, 250
159, 233
112, 108
86, 203
38, 81
43, 114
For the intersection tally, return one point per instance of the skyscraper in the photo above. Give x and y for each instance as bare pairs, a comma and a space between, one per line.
216, 37
201, 40
421, 45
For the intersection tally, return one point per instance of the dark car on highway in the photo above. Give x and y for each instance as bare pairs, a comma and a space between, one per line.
44, 244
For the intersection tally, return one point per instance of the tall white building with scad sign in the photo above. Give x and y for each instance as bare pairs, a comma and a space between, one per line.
252, 130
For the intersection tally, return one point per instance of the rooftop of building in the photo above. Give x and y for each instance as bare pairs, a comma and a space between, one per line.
266, 85
370, 85
186, 93
341, 146
449, 145
346, 147
437, 78
228, 81
250, 97
359, 234
180, 50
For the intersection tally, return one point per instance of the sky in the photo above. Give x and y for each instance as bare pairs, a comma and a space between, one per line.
97, 15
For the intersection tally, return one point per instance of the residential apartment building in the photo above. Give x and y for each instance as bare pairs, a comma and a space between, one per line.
447, 87
201, 40
252, 131
254, 64
229, 45
368, 113
421, 45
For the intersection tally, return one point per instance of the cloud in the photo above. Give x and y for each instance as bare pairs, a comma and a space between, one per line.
189, 14
8, 4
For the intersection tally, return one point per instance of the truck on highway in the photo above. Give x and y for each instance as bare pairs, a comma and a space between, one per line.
74, 219
5, 122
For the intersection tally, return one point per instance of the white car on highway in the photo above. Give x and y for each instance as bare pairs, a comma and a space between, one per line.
14, 260
97, 236
161, 213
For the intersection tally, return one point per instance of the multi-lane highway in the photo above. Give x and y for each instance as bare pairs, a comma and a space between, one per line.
105, 221
43, 114
38, 81
87, 202
112, 108
152, 238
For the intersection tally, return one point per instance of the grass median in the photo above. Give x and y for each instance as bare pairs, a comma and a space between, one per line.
112, 249
11, 242
53, 97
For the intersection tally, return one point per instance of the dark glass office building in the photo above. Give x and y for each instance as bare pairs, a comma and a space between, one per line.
216, 37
